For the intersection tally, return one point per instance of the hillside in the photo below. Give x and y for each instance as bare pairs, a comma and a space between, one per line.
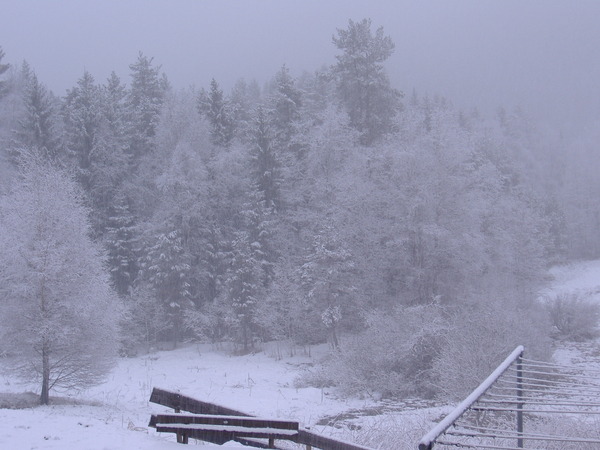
115, 414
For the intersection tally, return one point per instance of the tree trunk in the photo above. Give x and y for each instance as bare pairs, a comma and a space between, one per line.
45, 395
334, 339
245, 337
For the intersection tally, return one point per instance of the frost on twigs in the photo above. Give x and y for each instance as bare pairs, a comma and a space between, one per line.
58, 310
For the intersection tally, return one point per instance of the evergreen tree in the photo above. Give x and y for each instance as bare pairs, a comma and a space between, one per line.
82, 115
115, 112
95, 142
37, 126
259, 221
120, 242
214, 106
243, 100
286, 103
243, 287
144, 102
265, 160
166, 268
363, 86
3, 68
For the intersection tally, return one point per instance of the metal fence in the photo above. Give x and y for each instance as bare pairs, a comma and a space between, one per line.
525, 403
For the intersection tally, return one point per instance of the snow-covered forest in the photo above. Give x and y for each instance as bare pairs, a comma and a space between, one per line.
326, 207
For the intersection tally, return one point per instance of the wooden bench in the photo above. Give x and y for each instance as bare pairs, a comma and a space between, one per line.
218, 424
219, 429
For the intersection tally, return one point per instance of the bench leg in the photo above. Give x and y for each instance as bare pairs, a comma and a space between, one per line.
182, 438
271, 443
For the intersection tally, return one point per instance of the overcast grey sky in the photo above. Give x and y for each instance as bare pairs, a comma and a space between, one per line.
543, 55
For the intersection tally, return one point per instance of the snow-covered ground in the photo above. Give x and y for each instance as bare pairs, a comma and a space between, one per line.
115, 415
582, 278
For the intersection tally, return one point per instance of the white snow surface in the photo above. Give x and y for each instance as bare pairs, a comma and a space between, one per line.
115, 414
580, 277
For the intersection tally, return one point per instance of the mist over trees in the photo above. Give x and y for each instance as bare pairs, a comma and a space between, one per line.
328, 207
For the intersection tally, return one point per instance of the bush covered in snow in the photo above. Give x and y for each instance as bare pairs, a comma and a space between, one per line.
432, 350
574, 317
480, 336
393, 356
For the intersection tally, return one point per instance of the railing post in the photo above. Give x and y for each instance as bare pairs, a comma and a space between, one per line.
520, 401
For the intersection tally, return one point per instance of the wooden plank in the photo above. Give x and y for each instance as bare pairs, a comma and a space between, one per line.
220, 429
225, 435
181, 402
223, 421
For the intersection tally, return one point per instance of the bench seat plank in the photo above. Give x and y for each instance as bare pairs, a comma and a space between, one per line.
235, 430
234, 421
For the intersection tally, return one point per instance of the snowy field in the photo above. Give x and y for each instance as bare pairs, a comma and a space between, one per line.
115, 414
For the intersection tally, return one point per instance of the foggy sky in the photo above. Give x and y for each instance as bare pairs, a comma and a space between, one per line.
542, 55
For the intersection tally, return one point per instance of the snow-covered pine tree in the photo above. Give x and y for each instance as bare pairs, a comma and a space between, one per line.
286, 102
243, 100
95, 143
218, 112
116, 127
166, 267
144, 101
265, 160
363, 86
243, 286
120, 240
38, 125
3, 69
82, 117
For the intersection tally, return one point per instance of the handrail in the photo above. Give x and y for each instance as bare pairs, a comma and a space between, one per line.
427, 441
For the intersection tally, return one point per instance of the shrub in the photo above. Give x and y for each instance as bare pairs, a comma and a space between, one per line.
574, 317
393, 356
480, 336
431, 350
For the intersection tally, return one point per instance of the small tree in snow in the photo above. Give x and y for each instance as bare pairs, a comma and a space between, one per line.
167, 270
327, 278
243, 284
56, 303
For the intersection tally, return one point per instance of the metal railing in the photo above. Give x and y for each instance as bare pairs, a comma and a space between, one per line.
430, 438
525, 401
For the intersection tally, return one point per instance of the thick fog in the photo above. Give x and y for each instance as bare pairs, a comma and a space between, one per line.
541, 55
396, 179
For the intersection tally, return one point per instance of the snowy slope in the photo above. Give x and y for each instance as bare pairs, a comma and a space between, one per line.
115, 414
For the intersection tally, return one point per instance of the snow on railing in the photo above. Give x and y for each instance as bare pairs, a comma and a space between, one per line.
429, 439
552, 398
